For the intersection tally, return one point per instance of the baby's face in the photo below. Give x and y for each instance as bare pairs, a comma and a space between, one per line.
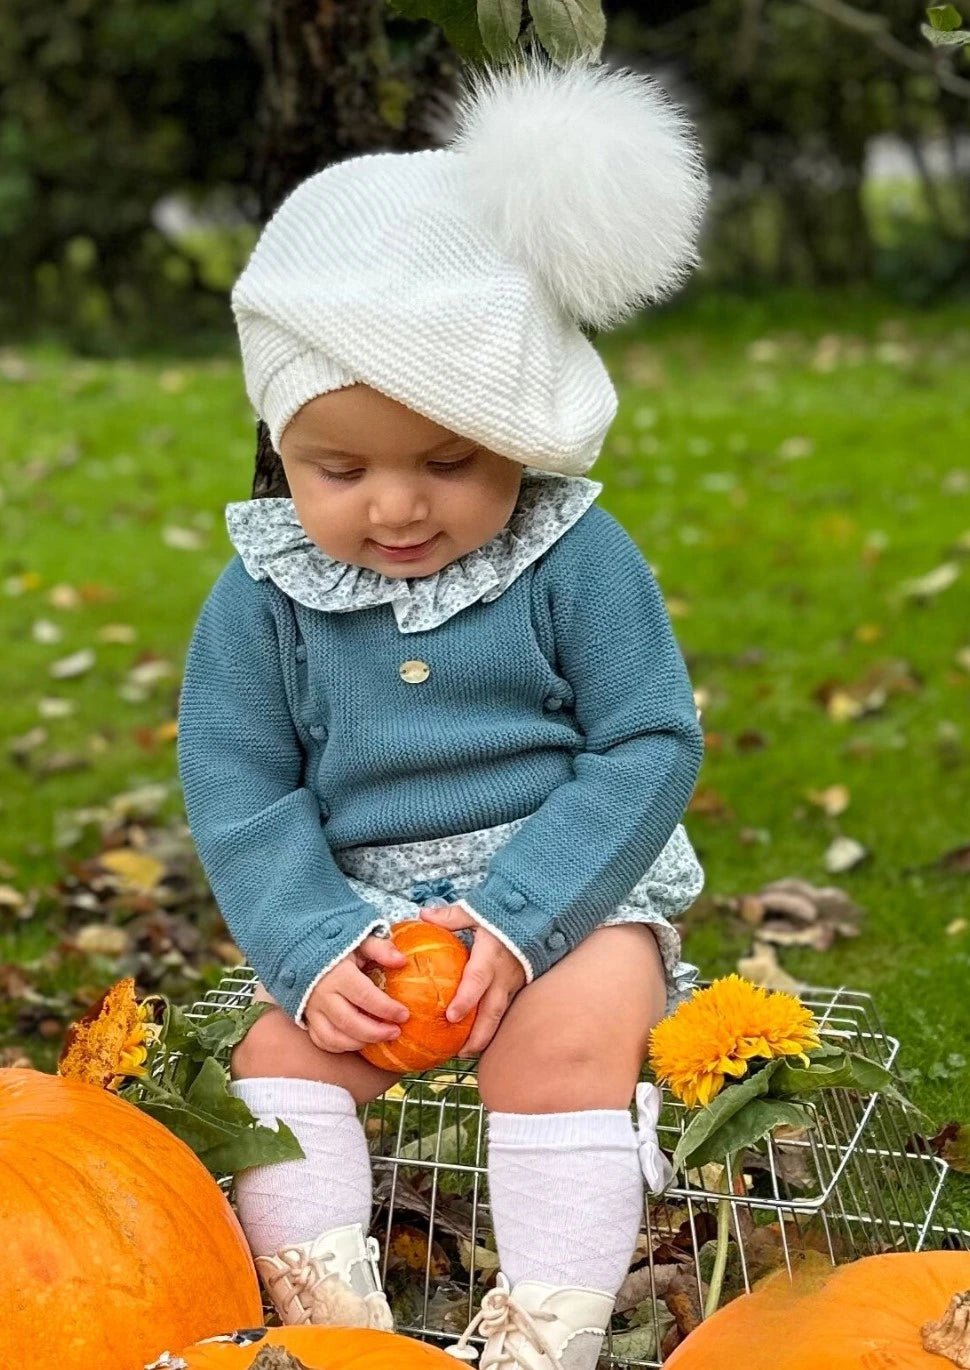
368, 476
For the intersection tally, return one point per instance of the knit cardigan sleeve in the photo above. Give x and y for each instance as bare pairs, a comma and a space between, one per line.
595, 836
255, 824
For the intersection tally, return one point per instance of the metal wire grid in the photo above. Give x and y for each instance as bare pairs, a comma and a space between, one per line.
853, 1185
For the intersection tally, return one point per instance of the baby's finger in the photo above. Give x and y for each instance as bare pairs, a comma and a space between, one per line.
491, 1011
348, 1019
474, 982
451, 916
382, 952
364, 994
325, 1037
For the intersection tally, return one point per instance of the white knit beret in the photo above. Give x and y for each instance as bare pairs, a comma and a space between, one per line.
455, 280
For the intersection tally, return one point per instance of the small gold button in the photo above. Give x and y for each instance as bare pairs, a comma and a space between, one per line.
415, 671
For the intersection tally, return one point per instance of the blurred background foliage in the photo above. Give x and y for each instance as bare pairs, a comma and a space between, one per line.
136, 142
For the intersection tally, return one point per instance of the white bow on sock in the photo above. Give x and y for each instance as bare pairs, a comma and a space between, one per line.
657, 1170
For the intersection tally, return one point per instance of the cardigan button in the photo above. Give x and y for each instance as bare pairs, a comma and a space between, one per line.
414, 672
317, 731
515, 901
288, 977
552, 703
555, 941
300, 652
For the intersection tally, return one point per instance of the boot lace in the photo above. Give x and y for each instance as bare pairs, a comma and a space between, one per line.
500, 1314
300, 1274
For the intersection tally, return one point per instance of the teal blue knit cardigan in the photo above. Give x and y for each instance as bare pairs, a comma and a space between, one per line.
566, 699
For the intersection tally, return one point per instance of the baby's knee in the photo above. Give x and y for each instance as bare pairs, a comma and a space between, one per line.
554, 1077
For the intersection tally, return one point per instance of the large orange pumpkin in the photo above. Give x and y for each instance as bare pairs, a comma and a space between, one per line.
318, 1348
114, 1237
426, 985
867, 1315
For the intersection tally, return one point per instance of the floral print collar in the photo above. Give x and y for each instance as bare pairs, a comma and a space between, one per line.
272, 545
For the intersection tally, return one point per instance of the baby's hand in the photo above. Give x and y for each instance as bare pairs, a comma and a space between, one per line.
346, 1010
492, 978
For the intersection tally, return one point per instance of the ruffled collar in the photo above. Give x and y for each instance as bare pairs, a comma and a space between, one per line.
272, 545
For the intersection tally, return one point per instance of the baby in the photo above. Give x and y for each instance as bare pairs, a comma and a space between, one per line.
440, 681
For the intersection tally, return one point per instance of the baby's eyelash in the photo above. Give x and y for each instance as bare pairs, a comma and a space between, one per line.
451, 465
434, 465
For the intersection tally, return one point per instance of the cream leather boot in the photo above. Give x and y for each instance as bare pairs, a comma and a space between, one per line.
332, 1281
538, 1327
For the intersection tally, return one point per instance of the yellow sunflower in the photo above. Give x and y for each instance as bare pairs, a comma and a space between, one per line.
110, 1043
720, 1030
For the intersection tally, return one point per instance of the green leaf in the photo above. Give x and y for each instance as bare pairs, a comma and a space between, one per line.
728, 1102
790, 1078
868, 1076
499, 22
569, 28
218, 1126
257, 1145
946, 38
458, 19
944, 17
748, 1125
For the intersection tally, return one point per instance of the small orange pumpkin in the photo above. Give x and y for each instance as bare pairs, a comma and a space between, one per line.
316, 1348
872, 1314
425, 985
114, 1235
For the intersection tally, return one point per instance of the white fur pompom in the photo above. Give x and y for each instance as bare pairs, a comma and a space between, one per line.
590, 175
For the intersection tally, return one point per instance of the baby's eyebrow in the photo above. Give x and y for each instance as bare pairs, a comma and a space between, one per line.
322, 448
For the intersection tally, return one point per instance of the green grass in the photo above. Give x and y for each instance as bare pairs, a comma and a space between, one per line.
771, 562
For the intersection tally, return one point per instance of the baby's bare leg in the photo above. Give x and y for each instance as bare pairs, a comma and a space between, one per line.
275, 1046
577, 1037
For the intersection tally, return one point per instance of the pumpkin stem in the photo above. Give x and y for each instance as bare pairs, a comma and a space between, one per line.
950, 1335
277, 1358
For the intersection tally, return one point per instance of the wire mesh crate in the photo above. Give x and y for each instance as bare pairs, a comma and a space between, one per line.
860, 1182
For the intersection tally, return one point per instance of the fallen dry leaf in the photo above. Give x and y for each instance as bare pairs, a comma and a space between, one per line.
78, 663
408, 1247
117, 632
184, 539
952, 1143
926, 587
957, 860
133, 870
833, 800
101, 939
44, 631
844, 854
792, 912
762, 968
63, 597
845, 701
50, 707
707, 802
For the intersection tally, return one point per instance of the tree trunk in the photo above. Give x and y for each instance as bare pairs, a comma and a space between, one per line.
332, 89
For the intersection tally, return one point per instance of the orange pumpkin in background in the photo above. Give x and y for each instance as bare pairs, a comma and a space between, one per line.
115, 1237
425, 985
317, 1348
879, 1313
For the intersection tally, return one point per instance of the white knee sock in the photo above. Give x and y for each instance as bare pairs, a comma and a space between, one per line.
294, 1201
567, 1196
